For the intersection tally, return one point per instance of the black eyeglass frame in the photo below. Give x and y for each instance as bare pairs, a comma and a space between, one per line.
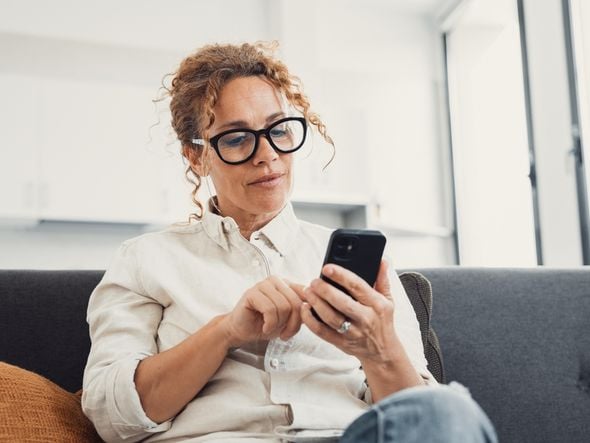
257, 134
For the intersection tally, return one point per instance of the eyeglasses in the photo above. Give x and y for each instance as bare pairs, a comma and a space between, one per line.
237, 146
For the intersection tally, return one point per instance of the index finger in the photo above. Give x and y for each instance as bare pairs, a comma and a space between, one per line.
294, 321
290, 291
297, 288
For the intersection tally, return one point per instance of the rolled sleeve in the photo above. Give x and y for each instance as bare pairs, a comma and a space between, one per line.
116, 411
123, 324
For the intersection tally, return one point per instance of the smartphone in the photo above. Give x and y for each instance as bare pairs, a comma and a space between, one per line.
358, 250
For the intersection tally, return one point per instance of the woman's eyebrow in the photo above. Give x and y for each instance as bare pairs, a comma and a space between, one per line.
274, 116
244, 124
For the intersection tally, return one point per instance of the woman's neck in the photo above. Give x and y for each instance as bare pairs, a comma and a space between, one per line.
247, 223
250, 224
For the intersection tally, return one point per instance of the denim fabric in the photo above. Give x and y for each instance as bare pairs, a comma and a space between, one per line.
423, 414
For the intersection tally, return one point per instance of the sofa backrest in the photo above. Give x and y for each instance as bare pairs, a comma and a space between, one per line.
519, 339
43, 322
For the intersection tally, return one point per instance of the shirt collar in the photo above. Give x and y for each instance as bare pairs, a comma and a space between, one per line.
281, 231
217, 227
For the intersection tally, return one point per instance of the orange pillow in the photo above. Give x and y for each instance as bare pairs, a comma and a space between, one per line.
34, 409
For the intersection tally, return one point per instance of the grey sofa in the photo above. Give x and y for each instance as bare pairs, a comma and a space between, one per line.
519, 339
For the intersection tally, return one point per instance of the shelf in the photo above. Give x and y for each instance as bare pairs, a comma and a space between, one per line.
18, 222
332, 202
416, 231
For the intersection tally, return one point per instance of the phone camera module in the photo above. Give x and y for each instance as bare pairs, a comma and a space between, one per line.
345, 247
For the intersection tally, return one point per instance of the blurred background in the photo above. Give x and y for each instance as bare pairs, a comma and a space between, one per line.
461, 126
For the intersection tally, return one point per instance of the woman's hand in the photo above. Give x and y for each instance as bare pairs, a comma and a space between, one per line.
269, 309
371, 336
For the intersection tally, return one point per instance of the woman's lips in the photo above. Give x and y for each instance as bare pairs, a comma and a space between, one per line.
268, 181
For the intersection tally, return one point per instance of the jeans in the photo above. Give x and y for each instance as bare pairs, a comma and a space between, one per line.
423, 415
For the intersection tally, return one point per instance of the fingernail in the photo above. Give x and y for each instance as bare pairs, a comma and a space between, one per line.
328, 270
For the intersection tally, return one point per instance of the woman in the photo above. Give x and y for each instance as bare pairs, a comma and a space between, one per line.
204, 332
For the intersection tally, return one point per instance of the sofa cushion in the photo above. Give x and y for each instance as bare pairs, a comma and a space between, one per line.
419, 292
33, 408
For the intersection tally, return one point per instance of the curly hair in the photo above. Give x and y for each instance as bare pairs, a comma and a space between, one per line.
198, 82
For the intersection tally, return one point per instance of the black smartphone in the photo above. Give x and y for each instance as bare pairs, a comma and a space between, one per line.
358, 250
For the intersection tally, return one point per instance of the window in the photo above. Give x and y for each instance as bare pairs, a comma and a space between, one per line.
493, 193
578, 17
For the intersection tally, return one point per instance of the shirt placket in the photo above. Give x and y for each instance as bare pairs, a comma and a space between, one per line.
277, 351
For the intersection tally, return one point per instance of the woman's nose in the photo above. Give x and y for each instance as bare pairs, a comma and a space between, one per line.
265, 151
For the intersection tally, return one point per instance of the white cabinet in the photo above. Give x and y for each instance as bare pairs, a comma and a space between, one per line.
96, 161
175, 187
86, 151
18, 148
73, 150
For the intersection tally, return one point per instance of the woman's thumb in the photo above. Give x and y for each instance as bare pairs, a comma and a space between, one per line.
382, 284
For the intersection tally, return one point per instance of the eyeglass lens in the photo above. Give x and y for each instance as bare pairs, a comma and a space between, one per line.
285, 136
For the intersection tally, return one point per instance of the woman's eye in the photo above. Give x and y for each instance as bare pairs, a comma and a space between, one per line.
231, 141
278, 132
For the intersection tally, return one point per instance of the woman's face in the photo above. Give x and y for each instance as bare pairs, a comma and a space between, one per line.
260, 187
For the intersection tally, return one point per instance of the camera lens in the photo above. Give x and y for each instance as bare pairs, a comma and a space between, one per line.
344, 248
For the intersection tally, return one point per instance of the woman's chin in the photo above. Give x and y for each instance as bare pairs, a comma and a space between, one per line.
274, 203
274, 207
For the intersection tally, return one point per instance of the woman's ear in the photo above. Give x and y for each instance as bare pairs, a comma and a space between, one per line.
197, 159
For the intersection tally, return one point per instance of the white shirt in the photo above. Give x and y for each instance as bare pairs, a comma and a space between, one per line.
162, 287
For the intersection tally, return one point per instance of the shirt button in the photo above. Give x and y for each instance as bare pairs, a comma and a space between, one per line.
274, 363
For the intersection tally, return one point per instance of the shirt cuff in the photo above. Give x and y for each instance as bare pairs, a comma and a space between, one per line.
428, 378
126, 412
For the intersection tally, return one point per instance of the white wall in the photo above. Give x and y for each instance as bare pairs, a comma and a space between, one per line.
372, 73
375, 73
78, 79
63, 245
177, 26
